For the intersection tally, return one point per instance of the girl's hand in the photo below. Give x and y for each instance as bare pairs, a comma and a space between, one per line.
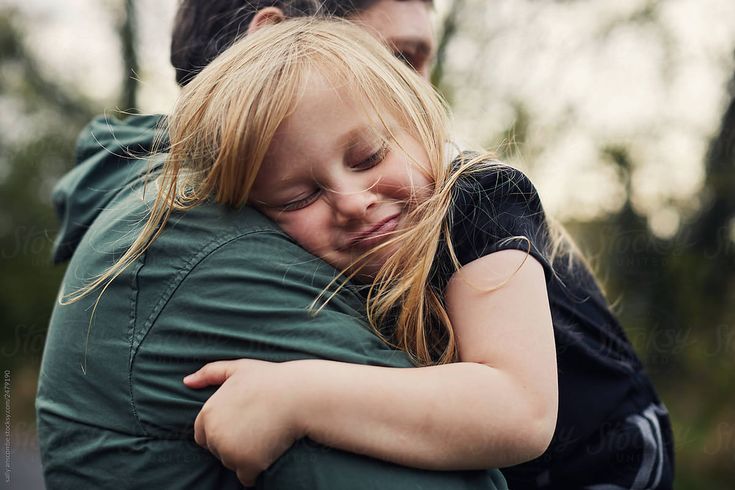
252, 418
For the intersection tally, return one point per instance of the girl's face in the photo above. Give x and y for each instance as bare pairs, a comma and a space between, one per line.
334, 180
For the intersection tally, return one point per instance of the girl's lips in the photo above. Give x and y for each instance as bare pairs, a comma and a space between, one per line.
377, 233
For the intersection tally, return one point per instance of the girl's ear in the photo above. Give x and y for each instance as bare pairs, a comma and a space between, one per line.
264, 17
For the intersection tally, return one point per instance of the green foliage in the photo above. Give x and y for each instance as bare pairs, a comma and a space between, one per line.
675, 298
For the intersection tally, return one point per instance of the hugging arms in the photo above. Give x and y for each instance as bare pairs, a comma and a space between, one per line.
217, 285
142, 433
188, 281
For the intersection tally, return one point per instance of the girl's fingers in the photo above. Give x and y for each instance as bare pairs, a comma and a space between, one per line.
214, 373
245, 478
200, 436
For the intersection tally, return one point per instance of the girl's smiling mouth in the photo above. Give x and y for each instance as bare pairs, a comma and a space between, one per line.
374, 234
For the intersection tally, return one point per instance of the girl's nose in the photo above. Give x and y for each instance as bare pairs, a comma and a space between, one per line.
352, 203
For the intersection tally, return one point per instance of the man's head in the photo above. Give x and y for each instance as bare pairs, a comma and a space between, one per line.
404, 25
205, 28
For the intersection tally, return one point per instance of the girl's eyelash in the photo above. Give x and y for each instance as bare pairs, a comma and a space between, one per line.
301, 203
366, 164
373, 159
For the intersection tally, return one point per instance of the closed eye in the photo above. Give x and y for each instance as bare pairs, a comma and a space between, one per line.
300, 203
407, 59
415, 55
373, 160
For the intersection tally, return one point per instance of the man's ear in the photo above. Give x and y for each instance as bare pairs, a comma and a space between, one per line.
265, 16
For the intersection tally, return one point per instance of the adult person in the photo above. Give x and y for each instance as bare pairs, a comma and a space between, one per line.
218, 283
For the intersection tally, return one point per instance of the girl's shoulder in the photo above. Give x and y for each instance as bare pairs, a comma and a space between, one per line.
495, 207
491, 187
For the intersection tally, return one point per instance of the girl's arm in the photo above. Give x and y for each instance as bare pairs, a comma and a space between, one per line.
495, 408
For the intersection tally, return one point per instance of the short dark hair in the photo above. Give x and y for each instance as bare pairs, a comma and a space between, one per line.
205, 28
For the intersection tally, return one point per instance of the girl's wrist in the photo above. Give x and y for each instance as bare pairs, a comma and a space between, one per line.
304, 387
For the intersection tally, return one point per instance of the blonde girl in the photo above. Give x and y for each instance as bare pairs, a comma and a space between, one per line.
318, 126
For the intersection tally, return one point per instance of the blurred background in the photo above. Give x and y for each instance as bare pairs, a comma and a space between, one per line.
621, 111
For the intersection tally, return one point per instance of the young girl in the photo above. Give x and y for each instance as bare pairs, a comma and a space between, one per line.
323, 131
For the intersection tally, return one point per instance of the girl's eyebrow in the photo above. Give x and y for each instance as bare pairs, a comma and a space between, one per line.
352, 137
358, 134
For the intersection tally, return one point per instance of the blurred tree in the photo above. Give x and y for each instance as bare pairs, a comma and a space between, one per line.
713, 232
676, 302
129, 40
446, 33
40, 119
704, 276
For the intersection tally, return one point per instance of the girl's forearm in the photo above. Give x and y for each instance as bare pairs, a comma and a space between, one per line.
450, 417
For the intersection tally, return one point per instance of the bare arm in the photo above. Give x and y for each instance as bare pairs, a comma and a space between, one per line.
495, 408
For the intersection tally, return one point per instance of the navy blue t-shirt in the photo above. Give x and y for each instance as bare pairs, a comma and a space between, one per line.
601, 380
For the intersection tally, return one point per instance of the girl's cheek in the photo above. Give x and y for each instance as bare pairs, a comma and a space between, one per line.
308, 230
310, 227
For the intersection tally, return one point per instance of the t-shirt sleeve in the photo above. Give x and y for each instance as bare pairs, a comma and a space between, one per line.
498, 208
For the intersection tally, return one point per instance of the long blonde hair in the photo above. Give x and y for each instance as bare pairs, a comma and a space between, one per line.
222, 127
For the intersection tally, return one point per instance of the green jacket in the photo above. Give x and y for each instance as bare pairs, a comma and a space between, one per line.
217, 284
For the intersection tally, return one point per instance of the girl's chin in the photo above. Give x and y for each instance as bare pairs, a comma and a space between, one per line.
364, 275
366, 271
